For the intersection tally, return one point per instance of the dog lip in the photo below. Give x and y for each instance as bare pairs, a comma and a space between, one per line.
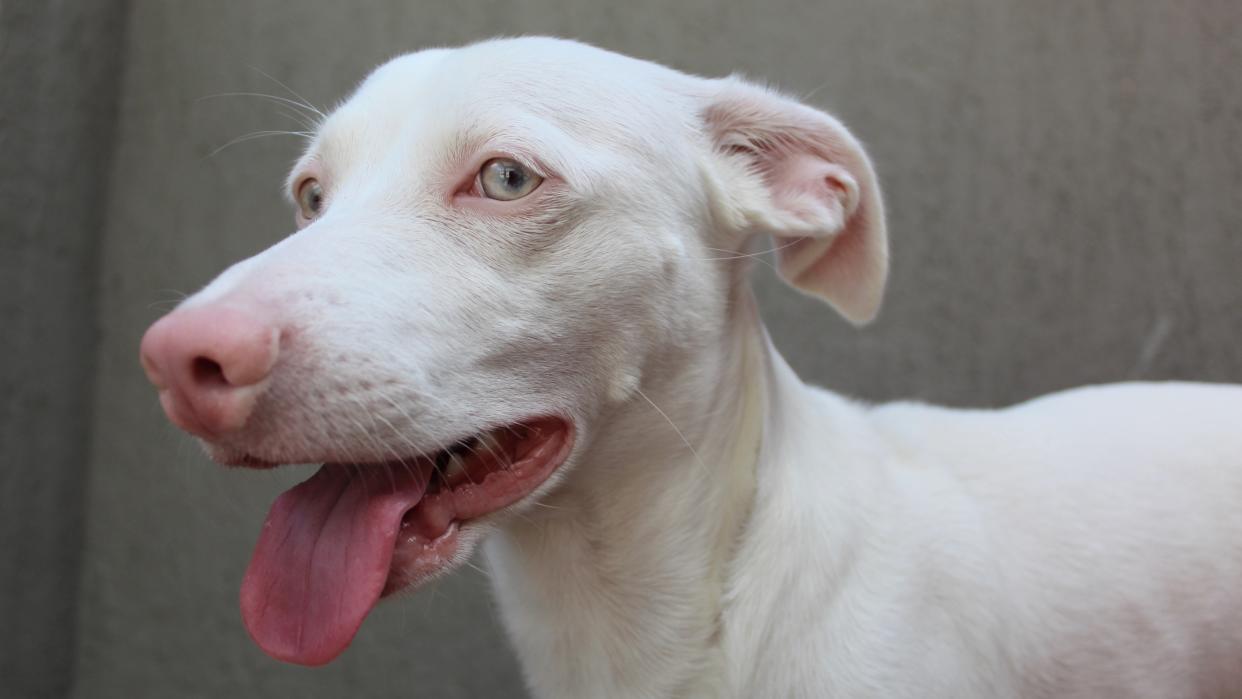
245, 460
431, 531
232, 456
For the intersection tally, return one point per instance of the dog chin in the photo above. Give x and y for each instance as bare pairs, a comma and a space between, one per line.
415, 564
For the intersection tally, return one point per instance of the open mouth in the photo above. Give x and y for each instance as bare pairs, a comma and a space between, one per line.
333, 545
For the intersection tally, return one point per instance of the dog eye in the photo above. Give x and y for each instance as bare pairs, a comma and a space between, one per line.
310, 198
505, 179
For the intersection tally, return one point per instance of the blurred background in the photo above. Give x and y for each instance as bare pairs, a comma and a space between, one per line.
1064, 189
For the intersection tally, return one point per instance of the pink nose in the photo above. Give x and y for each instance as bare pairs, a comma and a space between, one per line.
210, 364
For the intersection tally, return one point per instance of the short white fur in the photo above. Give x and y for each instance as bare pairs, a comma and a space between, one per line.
722, 529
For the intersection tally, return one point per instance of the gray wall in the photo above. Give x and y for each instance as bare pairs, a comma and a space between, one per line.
58, 81
1063, 188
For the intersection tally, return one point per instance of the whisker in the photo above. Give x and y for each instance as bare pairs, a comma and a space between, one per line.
676, 429
413, 447
305, 103
302, 119
263, 95
254, 135
743, 256
178, 297
379, 446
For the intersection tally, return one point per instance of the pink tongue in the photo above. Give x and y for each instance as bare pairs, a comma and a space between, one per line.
323, 557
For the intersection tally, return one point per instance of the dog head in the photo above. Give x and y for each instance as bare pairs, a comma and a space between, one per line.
493, 245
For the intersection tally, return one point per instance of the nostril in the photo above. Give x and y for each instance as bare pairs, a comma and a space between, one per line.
211, 363
207, 371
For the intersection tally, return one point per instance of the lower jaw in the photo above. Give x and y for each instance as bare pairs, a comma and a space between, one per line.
416, 560
430, 540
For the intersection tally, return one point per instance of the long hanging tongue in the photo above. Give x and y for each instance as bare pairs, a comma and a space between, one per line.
323, 558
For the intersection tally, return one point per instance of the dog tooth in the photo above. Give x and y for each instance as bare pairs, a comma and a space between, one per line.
454, 466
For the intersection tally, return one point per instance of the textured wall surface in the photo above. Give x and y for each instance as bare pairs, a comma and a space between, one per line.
58, 86
1062, 185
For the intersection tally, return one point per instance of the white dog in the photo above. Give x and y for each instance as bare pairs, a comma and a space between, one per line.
517, 313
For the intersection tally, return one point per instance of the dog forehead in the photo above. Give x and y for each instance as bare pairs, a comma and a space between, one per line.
579, 88
546, 68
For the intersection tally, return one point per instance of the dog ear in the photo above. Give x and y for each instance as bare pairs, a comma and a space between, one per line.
805, 180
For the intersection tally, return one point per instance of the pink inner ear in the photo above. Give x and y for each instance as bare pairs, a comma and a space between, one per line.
815, 192
832, 256
823, 203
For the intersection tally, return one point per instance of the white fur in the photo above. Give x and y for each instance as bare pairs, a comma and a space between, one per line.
721, 529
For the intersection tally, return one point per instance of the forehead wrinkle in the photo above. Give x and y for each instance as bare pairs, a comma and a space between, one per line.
536, 141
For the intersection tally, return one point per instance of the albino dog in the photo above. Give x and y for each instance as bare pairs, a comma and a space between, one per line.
516, 313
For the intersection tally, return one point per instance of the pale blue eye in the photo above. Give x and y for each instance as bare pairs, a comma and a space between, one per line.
506, 179
310, 198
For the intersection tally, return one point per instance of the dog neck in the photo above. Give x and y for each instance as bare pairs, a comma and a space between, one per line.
614, 587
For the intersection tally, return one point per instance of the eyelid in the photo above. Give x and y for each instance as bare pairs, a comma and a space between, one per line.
295, 187
529, 163
309, 166
472, 186
294, 196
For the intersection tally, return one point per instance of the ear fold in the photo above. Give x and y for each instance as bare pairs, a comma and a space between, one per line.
806, 181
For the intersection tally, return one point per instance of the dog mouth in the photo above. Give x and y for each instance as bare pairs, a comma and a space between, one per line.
334, 545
